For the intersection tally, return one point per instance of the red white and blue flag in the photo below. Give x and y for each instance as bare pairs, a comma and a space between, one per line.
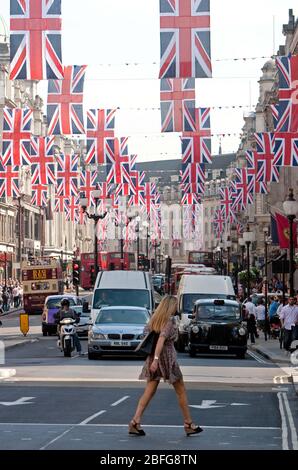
258, 187
9, 181
196, 141
118, 160
286, 149
72, 209
39, 195
43, 163
100, 126
16, 136
35, 40
267, 171
176, 96
226, 203
288, 92
185, 39
189, 199
244, 186
194, 173
88, 180
67, 175
65, 102
219, 222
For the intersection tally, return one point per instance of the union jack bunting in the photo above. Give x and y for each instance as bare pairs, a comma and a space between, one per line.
39, 195
35, 40
196, 142
149, 195
244, 186
194, 173
88, 185
9, 181
67, 175
185, 39
267, 171
72, 209
117, 161
259, 187
219, 222
286, 149
176, 95
100, 126
226, 203
176, 243
17, 136
137, 198
190, 199
239, 228
65, 102
288, 91
59, 203
43, 168
281, 116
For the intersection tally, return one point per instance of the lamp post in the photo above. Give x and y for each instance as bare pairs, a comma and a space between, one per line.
146, 227
96, 217
228, 246
137, 230
248, 238
290, 206
241, 243
221, 245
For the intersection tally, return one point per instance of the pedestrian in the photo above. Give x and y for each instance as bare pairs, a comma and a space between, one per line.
250, 307
163, 365
289, 321
252, 328
261, 315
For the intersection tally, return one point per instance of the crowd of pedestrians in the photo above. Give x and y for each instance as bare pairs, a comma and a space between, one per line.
11, 295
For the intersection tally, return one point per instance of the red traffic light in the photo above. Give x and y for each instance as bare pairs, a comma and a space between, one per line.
75, 266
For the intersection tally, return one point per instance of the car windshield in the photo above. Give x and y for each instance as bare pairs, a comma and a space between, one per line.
56, 303
190, 299
115, 297
218, 312
135, 317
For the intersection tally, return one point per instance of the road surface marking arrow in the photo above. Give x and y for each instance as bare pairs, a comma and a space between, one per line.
207, 404
20, 401
240, 404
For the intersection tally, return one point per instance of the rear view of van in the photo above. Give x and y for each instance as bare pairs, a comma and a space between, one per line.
122, 288
193, 288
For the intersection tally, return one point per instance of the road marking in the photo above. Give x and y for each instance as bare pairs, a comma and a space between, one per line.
240, 404
291, 422
256, 357
56, 438
283, 423
87, 420
280, 389
6, 373
207, 404
120, 401
26, 439
20, 401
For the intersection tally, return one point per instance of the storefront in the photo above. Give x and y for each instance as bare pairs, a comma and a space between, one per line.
6, 255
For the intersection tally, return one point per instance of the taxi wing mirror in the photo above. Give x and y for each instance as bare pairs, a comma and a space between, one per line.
86, 308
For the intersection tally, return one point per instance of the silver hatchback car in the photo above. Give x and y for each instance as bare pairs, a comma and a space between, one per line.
117, 330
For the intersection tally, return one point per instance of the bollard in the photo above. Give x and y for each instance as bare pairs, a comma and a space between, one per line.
24, 323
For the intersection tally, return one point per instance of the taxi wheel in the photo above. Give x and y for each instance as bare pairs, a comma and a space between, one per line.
192, 352
241, 355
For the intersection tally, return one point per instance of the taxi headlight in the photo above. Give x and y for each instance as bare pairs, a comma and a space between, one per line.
195, 329
242, 331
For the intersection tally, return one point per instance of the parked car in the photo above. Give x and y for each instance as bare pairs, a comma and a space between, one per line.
216, 327
51, 306
117, 330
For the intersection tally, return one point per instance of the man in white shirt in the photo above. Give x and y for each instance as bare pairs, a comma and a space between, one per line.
289, 321
250, 307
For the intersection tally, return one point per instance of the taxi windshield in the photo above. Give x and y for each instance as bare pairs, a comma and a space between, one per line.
218, 312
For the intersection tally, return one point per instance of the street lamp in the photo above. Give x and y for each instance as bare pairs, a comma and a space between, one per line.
291, 208
137, 230
248, 238
267, 241
146, 226
156, 245
96, 217
241, 243
221, 246
228, 247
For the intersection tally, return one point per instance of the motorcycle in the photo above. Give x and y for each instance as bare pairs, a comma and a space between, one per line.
67, 332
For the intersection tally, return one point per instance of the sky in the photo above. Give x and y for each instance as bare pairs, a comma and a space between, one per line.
119, 41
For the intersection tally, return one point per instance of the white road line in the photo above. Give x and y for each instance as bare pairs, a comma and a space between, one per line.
120, 401
284, 427
291, 422
57, 438
257, 358
270, 428
87, 420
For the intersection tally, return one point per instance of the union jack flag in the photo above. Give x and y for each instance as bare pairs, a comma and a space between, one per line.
149, 195
219, 222
35, 40
65, 102
267, 171
196, 141
244, 186
281, 116
17, 136
259, 187
188, 199
39, 195
88, 185
43, 166
67, 175
288, 92
118, 161
137, 198
72, 209
194, 173
185, 39
59, 203
9, 181
176, 95
226, 203
100, 126
286, 149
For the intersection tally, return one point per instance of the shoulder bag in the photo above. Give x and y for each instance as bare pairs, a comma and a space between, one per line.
147, 346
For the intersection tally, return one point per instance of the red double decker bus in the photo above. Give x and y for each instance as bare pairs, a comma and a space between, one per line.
202, 257
106, 261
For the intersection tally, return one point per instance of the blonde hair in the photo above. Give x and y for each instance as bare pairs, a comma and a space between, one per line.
163, 313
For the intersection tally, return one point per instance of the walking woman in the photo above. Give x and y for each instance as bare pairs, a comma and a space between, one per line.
163, 365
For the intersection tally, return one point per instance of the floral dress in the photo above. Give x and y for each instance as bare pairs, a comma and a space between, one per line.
168, 367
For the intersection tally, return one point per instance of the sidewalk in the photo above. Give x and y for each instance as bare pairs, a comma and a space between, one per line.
270, 349
12, 336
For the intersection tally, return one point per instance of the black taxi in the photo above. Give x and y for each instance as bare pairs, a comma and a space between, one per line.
216, 327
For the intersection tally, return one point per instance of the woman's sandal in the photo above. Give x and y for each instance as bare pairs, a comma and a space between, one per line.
135, 429
191, 428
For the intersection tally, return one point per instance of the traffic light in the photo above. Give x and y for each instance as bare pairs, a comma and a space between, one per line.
76, 272
92, 275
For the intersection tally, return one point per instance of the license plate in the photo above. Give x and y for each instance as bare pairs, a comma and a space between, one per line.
219, 348
120, 343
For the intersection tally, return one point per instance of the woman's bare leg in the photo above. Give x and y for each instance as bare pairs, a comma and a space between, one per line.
145, 399
182, 400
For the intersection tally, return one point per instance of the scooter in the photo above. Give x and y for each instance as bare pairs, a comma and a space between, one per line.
67, 332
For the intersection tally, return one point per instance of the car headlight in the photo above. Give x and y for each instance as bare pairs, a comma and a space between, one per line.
97, 335
195, 329
142, 336
242, 331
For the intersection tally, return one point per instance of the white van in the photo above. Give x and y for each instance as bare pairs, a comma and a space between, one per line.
196, 287
122, 288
